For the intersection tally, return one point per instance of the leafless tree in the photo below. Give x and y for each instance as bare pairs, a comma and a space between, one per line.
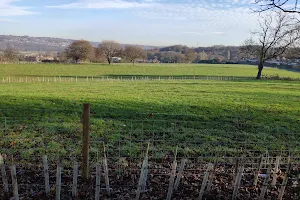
134, 52
190, 55
2, 56
287, 6
109, 49
80, 50
10, 54
276, 35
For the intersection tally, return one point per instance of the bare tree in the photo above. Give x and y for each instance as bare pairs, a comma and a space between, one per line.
109, 49
287, 6
10, 54
134, 52
80, 50
2, 56
190, 55
276, 35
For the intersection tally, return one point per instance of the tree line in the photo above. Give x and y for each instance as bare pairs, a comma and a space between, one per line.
83, 50
107, 50
278, 35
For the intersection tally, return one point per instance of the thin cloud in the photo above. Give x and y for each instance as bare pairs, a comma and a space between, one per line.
104, 4
193, 33
7, 8
202, 14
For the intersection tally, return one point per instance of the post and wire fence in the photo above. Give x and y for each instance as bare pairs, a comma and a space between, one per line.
74, 79
96, 158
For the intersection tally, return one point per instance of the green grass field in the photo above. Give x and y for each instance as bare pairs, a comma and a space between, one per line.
207, 114
139, 69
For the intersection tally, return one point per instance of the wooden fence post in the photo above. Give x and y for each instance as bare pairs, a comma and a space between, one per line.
86, 141
46, 174
58, 181
14, 182
3, 174
75, 178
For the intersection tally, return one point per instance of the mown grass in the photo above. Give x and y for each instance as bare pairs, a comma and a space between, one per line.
199, 116
138, 70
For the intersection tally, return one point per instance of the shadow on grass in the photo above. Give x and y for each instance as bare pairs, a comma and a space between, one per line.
220, 125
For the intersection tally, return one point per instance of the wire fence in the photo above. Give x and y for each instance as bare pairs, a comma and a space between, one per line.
61, 137
29, 79
146, 156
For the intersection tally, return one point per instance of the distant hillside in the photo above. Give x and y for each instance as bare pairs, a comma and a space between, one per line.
27, 43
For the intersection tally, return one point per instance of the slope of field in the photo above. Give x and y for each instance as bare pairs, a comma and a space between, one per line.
138, 70
248, 114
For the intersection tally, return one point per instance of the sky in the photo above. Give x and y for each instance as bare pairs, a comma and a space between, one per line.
148, 22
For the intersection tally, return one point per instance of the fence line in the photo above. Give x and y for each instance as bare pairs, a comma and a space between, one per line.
117, 152
30, 79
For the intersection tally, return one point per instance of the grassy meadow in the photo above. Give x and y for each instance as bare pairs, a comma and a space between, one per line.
97, 70
198, 115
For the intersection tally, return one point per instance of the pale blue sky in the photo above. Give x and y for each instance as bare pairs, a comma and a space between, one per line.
149, 22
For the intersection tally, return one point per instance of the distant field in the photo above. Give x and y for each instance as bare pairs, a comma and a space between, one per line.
138, 70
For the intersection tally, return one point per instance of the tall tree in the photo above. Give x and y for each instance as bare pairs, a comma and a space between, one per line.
80, 50
288, 6
99, 57
109, 49
190, 56
134, 52
273, 39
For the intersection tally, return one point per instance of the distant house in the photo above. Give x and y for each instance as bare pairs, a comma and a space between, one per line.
252, 60
38, 58
46, 58
273, 62
116, 59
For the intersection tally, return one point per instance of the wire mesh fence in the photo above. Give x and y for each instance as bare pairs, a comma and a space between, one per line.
127, 138
217, 160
